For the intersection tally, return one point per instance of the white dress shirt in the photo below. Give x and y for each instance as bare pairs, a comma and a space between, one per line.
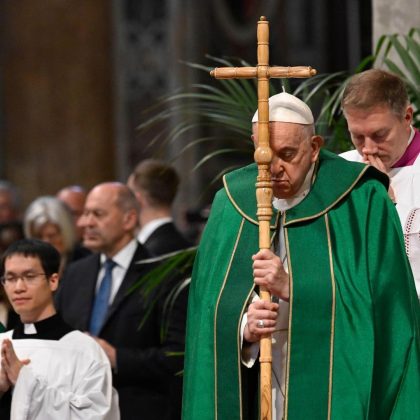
123, 260
150, 227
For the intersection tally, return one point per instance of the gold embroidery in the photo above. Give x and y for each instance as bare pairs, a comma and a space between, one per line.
250, 219
215, 316
289, 338
238, 335
332, 317
314, 216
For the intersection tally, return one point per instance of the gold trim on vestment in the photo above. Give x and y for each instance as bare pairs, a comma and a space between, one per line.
240, 349
314, 216
273, 237
332, 317
250, 219
289, 337
215, 318
289, 342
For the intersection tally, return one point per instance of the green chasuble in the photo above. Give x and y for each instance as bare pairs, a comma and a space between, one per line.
353, 345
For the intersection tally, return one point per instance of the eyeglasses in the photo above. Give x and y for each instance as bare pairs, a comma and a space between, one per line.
28, 278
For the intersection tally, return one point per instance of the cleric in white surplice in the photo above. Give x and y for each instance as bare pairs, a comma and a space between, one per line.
48, 371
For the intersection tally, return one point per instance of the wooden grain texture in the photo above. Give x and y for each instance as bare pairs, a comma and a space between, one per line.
264, 191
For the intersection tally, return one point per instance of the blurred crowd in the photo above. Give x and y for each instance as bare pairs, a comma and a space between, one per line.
131, 225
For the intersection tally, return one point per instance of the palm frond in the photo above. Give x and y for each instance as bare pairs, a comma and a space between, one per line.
174, 270
405, 49
226, 106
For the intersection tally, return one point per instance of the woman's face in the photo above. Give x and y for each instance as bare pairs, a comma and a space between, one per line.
51, 233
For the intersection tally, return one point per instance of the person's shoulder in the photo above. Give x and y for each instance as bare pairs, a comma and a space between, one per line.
351, 155
349, 159
79, 252
82, 263
141, 252
351, 171
335, 180
238, 195
77, 341
142, 257
239, 177
372, 180
76, 336
6, 334
331, 164
239, 185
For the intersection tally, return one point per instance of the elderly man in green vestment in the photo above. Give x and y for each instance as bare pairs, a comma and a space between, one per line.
344, 315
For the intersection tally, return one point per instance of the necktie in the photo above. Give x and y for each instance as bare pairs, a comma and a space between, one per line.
100, 305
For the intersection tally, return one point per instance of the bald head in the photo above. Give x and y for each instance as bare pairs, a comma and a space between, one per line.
74, 197
110, 218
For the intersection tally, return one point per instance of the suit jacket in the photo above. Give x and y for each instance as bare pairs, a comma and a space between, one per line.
165, 239
145, 373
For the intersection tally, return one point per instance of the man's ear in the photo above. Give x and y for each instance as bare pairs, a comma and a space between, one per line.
408, 117
316, 143
139, 197
130, 219
53, 281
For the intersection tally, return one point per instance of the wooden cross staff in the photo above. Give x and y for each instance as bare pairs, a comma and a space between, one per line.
263, 155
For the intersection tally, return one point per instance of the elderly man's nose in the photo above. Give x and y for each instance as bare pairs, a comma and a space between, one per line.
276, 166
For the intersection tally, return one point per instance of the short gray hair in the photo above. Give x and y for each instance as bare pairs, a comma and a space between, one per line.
48, 209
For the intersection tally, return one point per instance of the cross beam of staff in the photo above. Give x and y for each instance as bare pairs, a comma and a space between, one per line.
263, 156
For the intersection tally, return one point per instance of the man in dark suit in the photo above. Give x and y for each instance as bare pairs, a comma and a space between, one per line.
155, 185
143, 370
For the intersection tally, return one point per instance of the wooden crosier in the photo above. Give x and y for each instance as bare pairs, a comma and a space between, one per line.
263, 155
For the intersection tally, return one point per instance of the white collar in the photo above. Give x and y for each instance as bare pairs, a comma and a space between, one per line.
124, 256
29, 329
283, 204
150, 227
412, 133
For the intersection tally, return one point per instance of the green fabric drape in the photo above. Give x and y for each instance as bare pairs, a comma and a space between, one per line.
353, 321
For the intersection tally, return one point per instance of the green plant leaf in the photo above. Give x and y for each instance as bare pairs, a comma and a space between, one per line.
405, 57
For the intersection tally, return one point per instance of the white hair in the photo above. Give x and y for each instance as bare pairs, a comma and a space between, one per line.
48, 209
